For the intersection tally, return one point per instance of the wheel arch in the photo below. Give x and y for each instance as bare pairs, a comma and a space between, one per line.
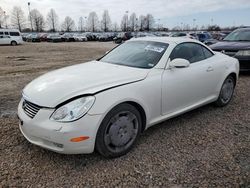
13, 41
141, 111
234, 75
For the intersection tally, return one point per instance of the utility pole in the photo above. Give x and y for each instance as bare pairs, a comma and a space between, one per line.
30, 17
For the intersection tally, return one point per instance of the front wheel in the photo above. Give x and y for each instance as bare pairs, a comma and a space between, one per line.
119, 131
226, 92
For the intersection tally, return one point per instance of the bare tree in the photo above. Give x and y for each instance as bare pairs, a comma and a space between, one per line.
124, 23
52, 20
132, 21
68, 24
142, 22
81, 24
115, 27
1, 17
149, 22
37, 20
93, 21
106, 21
17, 18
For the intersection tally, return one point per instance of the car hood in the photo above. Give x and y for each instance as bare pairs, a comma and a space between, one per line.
227, 45
57, 86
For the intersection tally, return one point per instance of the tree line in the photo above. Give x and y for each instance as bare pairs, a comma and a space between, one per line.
37, 22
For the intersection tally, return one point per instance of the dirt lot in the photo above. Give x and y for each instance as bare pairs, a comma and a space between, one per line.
204, 148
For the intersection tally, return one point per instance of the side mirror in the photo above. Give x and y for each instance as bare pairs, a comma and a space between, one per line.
179, 63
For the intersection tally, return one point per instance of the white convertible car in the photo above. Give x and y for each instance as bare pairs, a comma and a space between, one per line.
106, 104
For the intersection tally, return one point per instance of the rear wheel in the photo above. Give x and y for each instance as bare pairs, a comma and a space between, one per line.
119, 131
13, 43
226, 92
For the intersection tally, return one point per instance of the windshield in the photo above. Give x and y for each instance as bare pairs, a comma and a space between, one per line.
141, 54
238, 36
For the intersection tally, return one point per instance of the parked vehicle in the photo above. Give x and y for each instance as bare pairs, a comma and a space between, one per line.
43, 37
105, 37
80, 37
142, 34
206, 38
55, 37
236, 44
106, 104
24, 36
68, 37
219, 35
123, 36
11, 36
33, 37
183, 34
91, 36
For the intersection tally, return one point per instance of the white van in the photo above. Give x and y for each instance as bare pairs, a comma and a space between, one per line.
10, 36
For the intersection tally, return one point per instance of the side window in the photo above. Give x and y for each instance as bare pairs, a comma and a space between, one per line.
1, 33
190, 51
6, 33
14, 34
207, 52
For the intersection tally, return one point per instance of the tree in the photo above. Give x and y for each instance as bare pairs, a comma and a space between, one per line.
149, 22
1, 17
124, 23
68, 24
52, 20
214, 28
106, 21
17, 18
93, 22
115, 27
81, 24
132, 21
142, 22
37, 20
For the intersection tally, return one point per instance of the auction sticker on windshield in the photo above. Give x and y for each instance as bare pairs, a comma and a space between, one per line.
154, 48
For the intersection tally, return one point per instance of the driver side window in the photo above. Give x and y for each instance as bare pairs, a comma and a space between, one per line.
190, 51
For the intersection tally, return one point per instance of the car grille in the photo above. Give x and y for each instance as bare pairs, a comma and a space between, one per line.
228, 52
30, 109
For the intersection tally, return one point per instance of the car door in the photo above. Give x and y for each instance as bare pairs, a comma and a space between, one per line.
4, 39
186, 87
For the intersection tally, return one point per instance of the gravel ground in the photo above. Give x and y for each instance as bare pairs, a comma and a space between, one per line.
207, 147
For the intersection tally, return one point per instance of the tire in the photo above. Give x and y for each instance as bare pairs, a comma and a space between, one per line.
226, 93
119, 131
13, 43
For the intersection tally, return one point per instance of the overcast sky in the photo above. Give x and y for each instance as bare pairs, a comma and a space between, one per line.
167, 12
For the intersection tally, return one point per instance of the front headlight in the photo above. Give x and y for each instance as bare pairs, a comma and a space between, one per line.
73, 110
243, 53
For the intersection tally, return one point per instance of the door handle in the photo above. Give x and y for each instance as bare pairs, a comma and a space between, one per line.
209, 69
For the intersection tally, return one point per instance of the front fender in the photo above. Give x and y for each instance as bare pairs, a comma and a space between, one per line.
146, 93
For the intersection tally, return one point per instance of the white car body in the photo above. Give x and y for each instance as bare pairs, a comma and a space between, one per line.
10, 35
162, 92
